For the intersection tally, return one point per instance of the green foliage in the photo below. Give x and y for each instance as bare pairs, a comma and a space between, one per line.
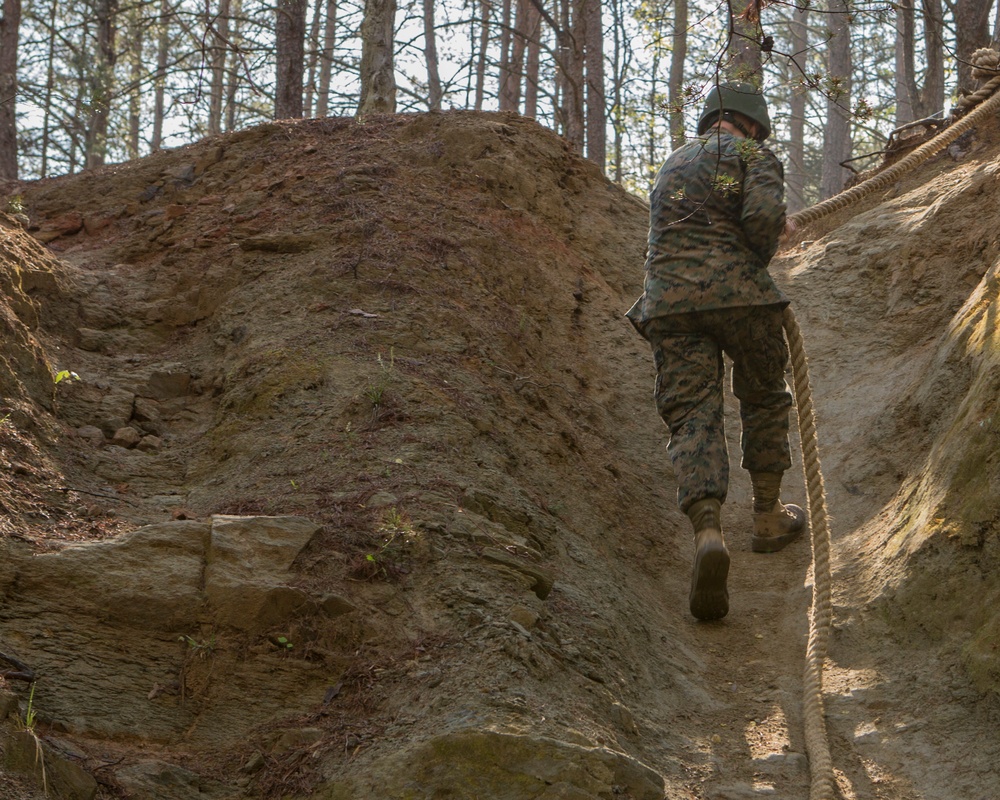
726, 184
375, 391
27, 724
15, 204
65, 375
200, 649
749, 150
394, 530
282, 643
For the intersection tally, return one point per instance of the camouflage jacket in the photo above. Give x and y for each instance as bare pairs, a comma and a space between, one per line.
716, 212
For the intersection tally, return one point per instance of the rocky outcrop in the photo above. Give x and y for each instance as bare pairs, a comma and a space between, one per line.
164, 630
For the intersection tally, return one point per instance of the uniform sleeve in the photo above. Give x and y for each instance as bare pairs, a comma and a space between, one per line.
763, 214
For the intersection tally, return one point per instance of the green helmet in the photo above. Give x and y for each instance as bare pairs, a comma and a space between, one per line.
740, 97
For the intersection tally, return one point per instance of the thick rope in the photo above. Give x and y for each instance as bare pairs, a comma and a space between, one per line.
918, 156
821, 613
984, 102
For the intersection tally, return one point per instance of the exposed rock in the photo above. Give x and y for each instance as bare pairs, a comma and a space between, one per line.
150, 444
166, 384
147, 413
25, 753
94, 225
248, 561
65, 225
540, 580
114, 410
523, 616
158, 780
281, 243
127, 437
150, 578
623, 718
507, 767
91, 433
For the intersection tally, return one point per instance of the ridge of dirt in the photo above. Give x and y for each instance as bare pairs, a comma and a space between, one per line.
410, 332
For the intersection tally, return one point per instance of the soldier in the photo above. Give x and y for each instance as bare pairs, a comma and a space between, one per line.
716, 213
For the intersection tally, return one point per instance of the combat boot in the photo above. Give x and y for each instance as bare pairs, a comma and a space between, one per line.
776, 528
709, 597
774, 523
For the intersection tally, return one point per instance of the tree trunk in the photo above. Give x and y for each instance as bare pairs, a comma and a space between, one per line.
597, 121
796, 175
312, 60
675, 83
233, 73
907, 96
378, 79
651, 135
136, 69
10, 25
571, 49
50, 86
326, 59
517, 51
932, 96
619, 67
289, 42
101, 82
160, 80
743, 59
484, 43
972, 31
534, 34
837, 138
434, 95
79, 120
504, 77
220, 33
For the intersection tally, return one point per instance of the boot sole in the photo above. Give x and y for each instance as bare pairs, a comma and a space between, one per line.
772, 544
709, 596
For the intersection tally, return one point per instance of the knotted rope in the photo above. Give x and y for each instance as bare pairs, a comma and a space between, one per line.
982, 103
985, 67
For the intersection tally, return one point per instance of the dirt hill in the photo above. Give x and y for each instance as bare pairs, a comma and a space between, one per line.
331, 469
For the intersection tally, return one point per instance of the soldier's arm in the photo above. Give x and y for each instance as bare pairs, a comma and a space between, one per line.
763, 213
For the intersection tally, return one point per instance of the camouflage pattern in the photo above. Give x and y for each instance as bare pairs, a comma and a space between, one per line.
687, 351
716, 212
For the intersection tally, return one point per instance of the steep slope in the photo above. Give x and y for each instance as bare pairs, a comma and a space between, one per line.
361, 492
899, 305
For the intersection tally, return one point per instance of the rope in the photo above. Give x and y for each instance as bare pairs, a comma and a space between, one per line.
983, 102
983, 108
821, 612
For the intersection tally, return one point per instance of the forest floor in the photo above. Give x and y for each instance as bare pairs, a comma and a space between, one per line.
410, 332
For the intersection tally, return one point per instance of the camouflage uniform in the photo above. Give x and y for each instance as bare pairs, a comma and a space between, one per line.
716, 212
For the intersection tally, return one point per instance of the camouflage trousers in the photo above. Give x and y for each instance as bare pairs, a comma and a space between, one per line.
687, 350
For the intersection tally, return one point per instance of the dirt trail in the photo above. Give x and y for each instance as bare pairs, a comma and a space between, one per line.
410, 333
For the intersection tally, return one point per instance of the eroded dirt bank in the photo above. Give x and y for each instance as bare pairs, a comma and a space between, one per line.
413, 530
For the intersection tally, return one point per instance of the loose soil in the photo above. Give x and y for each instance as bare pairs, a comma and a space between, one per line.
410, 332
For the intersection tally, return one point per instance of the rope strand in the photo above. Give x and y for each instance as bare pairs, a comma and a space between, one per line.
821, 613
823, 782
983, 108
